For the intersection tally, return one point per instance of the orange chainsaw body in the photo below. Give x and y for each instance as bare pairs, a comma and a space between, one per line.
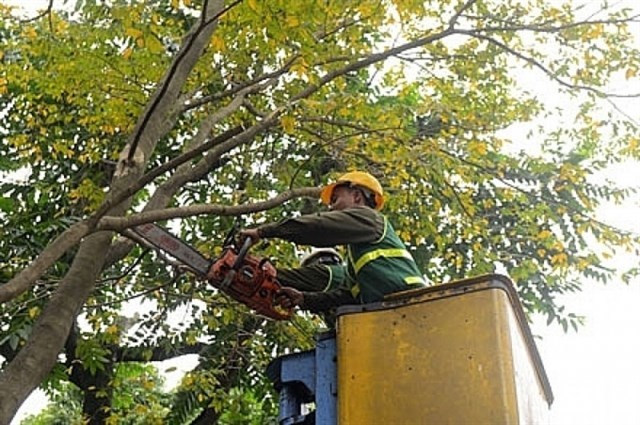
252, 282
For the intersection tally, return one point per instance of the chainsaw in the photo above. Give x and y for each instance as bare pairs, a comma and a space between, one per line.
245, 278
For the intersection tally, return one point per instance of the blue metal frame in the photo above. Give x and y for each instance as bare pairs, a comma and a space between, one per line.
306, 377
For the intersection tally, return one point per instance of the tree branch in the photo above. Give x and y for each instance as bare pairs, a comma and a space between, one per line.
137, 354
544, 69
248, 87
45, 12
181, 60
119, 224
52, 253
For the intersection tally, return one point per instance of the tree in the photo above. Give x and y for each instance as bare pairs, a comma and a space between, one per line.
209, 113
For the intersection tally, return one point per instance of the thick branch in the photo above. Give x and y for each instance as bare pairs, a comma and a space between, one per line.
27, 277
183, 62
369, 60
119, 224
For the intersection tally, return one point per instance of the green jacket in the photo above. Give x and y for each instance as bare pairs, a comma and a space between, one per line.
381, 267
364, 231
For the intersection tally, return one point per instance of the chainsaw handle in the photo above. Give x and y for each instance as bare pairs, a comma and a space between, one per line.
231, 274
242, 253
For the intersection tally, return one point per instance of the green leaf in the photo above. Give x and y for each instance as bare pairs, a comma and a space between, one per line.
6, 205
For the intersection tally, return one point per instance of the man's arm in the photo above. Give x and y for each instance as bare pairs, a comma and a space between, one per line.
315, 302
321, 302
316, 278
352, 225
317, 288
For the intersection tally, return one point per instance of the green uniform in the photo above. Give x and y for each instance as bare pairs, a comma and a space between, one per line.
378, 262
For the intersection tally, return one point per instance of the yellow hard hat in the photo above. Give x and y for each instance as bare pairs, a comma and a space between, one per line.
355, 178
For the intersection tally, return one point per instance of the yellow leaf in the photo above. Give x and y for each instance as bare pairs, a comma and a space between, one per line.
127, 52
252, 5
300, 67
631, 72
29, 32
292, 21
188, 380
478, 148
154, 45
583, 264
544, 235
112, 330
559, 259
365, 9
554, 13
288, 124
133, 33
217, 43
61, 148
596, 31
34, 311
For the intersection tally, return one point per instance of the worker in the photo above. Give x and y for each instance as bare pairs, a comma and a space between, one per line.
378, 262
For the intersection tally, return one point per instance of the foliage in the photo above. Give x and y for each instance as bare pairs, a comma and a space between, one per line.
287, 95
139, 399
65, 408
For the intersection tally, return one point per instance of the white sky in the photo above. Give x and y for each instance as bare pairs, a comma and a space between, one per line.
595, 373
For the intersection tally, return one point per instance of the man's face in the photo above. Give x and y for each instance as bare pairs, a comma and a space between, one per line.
343, 197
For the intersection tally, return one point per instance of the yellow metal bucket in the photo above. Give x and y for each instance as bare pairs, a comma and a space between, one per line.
459, 353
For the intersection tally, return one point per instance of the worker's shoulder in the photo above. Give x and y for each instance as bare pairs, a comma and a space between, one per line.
352, 213
362, 211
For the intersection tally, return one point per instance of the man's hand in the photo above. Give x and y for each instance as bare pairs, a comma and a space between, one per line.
253, 234
288, 297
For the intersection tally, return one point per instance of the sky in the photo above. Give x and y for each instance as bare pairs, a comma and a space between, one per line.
595, 372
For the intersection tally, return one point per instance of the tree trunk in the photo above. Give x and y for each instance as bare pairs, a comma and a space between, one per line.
34, 361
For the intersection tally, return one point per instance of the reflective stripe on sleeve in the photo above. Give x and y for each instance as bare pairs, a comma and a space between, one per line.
414, 280
326, 288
